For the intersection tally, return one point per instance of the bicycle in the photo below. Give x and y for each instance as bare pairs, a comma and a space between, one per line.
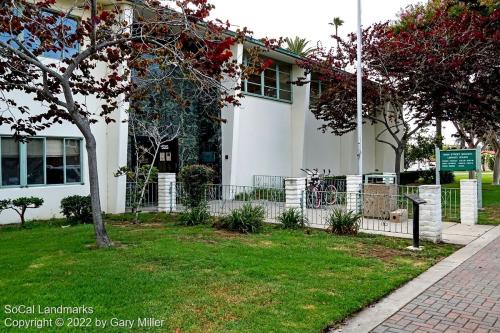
319, 193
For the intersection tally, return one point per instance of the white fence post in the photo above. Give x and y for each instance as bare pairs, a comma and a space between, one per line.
294, 192
431, 224
468, 201
166, 192
354, 185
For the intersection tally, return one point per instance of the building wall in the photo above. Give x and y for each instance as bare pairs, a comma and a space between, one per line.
264, 145
111, 154
268, 137
339, 153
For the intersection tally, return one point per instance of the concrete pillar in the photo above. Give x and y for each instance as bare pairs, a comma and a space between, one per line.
431, 224
468, 201
295, 192
354, 185
166, 192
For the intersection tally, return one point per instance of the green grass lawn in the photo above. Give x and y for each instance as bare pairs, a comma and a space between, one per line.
199, 279
491, 197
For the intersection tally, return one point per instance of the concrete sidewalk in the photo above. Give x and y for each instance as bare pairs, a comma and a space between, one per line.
464, 290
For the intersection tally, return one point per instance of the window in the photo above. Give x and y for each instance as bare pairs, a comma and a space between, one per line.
73, 167
315, 91
67, 24
10, 154
55, 161
273, 82
35, 162
40, 161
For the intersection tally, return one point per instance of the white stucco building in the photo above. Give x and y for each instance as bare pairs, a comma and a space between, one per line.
272, 132
274, 135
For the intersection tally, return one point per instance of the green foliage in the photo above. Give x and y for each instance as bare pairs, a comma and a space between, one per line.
343, 222
247, 219
489, 160
298, 46
20, 205
4, 204
77, 209
196, 215
195, 179
293, 219
28, 202
420, 149
425, 177
269, 194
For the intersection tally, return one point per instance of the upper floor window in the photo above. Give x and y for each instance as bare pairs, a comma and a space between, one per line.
67, 25
273, 82
315, 90
40, 161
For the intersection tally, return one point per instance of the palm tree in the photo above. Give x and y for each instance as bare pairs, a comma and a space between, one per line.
299, 46
337, 22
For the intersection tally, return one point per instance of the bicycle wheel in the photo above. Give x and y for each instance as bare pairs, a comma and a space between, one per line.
331, 195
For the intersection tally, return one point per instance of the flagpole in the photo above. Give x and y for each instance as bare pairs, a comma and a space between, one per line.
359, 117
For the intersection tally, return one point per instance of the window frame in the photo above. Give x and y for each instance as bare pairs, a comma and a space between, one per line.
46, 54
20, 168
320, 90
275, 67
23, 162
78, 46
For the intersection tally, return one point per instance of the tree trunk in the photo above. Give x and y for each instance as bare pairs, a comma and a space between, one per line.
101, 235
397, 163
23, 211
439, 133
496, 168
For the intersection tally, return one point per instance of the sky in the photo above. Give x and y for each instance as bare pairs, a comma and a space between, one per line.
309, 19
304, 18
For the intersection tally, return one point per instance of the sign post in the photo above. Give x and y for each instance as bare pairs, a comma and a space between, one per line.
479, 177
460, 160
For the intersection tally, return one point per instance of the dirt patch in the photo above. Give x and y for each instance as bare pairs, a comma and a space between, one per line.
148, 267
377, 251
130, 225
492, 214
228, 234
381, 252
195, 238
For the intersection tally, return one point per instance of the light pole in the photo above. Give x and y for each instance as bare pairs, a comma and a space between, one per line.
359, 95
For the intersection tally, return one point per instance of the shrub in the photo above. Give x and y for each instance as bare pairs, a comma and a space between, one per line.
77, 209
195, 179
292, 219
343, 222
269, 194
196, 215
447, 177
247, 219
4, 204
425, 177
20, 205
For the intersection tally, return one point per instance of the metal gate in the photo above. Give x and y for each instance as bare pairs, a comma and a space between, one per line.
383, 213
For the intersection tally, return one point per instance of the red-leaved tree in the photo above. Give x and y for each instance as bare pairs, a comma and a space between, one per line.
418, 70
155, 42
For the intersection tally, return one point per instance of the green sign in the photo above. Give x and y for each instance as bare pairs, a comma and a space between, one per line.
458, 160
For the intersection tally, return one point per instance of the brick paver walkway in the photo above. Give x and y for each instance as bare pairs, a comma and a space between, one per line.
466, 300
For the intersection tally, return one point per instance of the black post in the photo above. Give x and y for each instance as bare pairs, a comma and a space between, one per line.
416, 218
416, 223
